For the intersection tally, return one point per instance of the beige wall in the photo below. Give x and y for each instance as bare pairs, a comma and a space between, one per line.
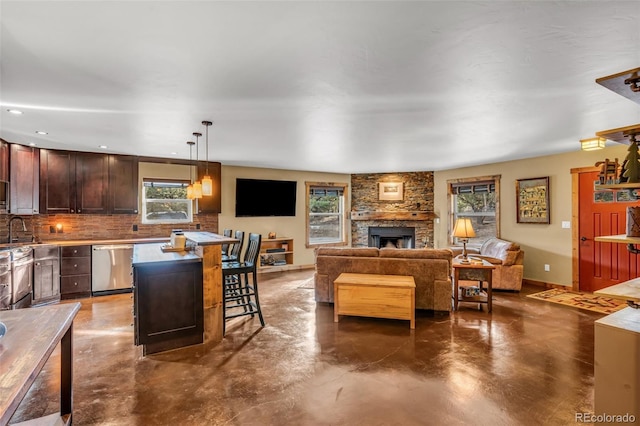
291, 227
543, 244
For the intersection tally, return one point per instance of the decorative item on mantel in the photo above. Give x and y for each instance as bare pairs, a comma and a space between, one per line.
272, 235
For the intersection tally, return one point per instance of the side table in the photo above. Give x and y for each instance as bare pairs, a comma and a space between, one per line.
474, 271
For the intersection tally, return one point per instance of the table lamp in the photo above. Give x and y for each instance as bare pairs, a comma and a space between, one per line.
463, 230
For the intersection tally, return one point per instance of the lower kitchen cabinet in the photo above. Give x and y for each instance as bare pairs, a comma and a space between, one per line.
46, 274
168, 305
75, 272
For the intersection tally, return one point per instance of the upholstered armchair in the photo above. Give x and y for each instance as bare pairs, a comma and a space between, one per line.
508, 258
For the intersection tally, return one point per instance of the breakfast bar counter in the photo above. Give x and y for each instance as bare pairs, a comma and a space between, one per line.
178, 294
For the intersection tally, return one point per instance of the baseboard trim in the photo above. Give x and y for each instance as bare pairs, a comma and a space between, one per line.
543, 284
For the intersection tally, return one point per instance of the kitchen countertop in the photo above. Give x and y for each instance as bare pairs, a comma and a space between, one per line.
146, 254
90, 242
208, 238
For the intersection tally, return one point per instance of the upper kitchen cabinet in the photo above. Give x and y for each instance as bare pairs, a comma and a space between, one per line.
210, 204
4, 161
92, 183
123, 184
25, 180
57, 182
73, 182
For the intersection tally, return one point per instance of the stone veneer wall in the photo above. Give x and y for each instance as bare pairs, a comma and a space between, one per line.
418, 196
92, 227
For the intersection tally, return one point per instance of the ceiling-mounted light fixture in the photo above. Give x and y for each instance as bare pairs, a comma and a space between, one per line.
592, 144
207, 182
190, 195
197, 186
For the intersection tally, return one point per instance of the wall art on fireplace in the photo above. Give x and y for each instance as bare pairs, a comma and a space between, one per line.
392, 191
533, 200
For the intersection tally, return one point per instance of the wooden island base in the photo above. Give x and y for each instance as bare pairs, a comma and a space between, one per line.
377, 296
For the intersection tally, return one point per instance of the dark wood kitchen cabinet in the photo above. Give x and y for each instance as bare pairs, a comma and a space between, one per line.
4, 161
211, 204
46, 274
75, 272
168, 300
123, 184
73, 182
25, 180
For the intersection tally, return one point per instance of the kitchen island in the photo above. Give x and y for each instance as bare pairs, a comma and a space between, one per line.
178, 295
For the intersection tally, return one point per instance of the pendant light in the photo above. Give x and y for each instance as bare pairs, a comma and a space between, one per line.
207, 182
197, 186
190, 195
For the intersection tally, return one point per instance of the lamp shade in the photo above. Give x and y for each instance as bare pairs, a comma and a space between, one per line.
207, 185
463, 228
197, 190
592, 144
190, 192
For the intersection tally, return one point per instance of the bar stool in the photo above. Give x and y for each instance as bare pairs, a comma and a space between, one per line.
234, 255
225, 247
241, 296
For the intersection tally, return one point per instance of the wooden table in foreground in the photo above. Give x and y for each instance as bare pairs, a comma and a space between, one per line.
481, 272
32, 335
373, 295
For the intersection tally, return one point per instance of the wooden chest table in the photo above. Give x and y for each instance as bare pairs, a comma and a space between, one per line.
378, 296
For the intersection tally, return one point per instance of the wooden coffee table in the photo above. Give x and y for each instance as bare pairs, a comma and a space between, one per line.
377, 296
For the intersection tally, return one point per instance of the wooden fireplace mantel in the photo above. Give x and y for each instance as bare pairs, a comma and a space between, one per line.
401, 215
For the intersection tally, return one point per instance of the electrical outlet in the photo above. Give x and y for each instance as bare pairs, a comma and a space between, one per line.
566, 224
547, 268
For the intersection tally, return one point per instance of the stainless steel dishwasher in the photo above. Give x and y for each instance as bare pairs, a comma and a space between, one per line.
111, 270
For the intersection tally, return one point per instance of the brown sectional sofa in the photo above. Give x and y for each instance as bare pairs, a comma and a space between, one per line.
431, 269
509, 261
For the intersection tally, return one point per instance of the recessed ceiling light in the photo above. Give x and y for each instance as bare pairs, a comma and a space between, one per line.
40, 132
32, 144
102, 146
174, 153
14, 111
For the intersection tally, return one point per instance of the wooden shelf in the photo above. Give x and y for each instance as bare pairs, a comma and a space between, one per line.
620, 134
618, 186
615, 83
619, 239
286, 255
402, 215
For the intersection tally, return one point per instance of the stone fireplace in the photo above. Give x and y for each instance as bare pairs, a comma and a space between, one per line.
392, 236
393, 217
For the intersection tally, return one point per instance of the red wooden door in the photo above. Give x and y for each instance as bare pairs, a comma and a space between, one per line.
603, 213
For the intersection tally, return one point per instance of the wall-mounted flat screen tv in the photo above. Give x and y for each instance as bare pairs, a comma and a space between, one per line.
261, 197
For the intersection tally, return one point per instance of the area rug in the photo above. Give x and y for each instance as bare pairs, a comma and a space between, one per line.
588, 301
308, 284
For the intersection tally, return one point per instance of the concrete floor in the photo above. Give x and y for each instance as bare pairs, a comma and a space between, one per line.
529, 362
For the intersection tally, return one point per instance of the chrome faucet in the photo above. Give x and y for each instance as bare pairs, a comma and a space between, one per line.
24, 227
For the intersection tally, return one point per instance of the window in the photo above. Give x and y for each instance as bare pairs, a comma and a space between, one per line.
478, 200
326, 221
165, 201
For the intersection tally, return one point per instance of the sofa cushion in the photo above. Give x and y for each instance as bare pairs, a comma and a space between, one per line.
416, 253
347, 251
507, 251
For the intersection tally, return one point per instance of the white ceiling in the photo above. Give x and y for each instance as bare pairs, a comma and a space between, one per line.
348, 87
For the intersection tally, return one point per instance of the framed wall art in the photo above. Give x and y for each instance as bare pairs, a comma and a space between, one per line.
390, 191
532, 203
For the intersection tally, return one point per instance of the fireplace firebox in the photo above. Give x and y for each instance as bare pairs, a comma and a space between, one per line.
392, 236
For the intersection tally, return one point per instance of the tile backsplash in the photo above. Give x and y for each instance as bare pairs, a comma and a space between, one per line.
92, 227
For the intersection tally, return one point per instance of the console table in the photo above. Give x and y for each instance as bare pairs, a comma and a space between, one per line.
32, 335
